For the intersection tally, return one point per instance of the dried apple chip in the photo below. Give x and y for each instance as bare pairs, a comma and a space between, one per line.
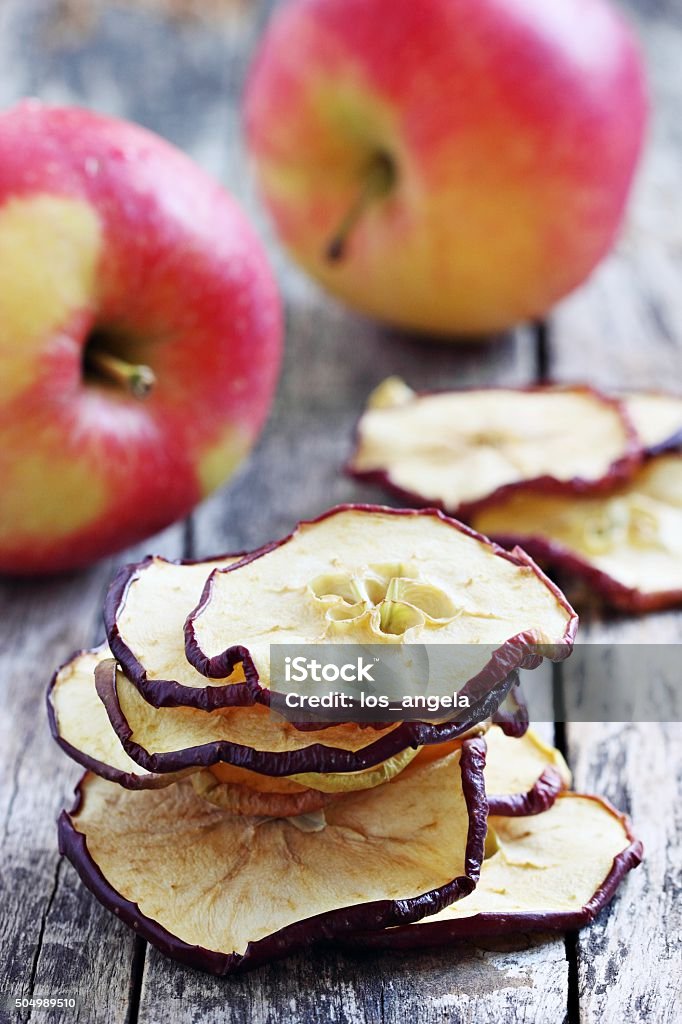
144, 614
657, 418
627, 545
173, 739
240, 799
372, 575
555, 871
190, 877
81, 726
523, 775
459, 449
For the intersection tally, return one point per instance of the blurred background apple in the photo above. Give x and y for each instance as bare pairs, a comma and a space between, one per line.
140, 336
451, 166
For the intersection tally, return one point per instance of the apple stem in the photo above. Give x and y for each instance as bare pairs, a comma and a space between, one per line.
378, 180
138, 379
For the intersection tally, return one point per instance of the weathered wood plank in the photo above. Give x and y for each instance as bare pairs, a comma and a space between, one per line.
628, 961
524, 980
56, 939
626, 326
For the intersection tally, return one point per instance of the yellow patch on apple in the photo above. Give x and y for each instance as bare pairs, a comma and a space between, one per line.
60, 481
49, 252
221, 459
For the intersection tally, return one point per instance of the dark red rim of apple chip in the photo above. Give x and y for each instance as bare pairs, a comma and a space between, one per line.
372, 915
491, 924
619, 471
625, 599
517, 652
538, 799
167, 692
512, 715
317, 757
129, 780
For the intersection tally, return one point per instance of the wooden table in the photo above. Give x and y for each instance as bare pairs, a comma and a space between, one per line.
182, 77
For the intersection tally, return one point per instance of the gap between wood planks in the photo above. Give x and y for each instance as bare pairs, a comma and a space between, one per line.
570, 938
543, 369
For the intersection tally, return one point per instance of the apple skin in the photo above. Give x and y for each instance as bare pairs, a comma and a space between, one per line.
513, 127
106, 228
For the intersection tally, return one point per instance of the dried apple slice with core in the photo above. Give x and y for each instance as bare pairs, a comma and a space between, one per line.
456, 449
81, 726
657, 418
190, 877
365, 575
554, 871
627, 545
172, 739
144, 614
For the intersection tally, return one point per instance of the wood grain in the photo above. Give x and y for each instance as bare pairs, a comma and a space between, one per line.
625, 326
55, 938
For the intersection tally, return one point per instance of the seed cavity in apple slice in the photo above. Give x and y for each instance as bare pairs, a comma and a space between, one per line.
657, 418
627, 546
144, 615
373, 575
190, 877
552, 872
458, 449
174, 739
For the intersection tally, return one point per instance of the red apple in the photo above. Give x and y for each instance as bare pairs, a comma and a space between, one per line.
447, 165
140, 336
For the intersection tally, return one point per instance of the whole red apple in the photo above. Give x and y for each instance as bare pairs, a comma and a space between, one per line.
140, 336
451, 166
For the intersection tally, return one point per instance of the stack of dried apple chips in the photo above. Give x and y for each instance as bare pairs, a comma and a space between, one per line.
228, 835
587, 483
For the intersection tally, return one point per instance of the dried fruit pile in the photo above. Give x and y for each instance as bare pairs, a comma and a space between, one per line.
228, 835
584, 482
